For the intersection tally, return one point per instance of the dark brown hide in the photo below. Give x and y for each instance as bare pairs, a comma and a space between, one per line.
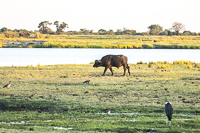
110, 61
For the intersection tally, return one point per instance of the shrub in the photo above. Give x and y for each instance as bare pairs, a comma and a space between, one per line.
151, 62
97, 47
69, 46
20, 46
189, 66
139, 62
165, 62
156, 40
47, 45
178, 62
147, 46
129, 46
150, 66
114, 46
39, 35
186, 47
139, 46
163, 66
38, 45
181, 62
197, 65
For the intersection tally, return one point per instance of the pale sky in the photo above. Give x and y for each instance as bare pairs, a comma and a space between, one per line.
100, 14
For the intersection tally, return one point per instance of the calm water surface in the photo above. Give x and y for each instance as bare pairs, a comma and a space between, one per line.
50, 56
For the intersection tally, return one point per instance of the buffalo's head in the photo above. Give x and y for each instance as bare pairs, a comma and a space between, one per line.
97, 63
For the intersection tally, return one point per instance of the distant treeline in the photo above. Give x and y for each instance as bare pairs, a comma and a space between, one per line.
154, 29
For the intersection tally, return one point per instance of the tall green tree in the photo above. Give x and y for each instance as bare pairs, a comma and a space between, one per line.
43, 27
60, 27
177, 27
4, 29
155, 29
102, 32
129, 32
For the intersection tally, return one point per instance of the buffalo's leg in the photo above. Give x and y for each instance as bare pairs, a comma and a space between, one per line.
105, 71
111, 70
128, 69
124, 70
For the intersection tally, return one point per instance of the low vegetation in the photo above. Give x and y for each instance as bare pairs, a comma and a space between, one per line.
97, 41
53, 98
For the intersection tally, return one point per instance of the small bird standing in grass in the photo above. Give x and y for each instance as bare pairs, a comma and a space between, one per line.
169, 112
87, 81
108, 111
7, 85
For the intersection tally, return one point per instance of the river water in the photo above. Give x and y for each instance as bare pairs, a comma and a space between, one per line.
52, 56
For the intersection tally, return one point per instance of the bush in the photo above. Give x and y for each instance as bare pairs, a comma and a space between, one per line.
197, 65
189, 66
97, 47
150, 66
147, 46
38, 45
151, 62
20, 46
156, 40
69, 46
114, 46
139, 62
11, 34
129, 47
181, 62
163, 66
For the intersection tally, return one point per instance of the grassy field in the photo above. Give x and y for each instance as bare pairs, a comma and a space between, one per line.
48, 98
104, 41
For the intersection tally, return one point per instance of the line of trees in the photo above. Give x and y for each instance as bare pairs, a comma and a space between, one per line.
43, 27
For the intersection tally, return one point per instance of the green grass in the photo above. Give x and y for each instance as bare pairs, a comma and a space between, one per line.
57, 93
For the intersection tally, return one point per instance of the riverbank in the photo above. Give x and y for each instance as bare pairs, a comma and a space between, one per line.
111, 42
54, 98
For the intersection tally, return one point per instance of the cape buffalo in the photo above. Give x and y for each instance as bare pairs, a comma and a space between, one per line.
110, 61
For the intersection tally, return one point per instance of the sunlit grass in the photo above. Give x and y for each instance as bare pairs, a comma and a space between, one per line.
57, 93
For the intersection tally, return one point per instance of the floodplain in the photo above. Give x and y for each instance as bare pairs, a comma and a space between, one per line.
53, 98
